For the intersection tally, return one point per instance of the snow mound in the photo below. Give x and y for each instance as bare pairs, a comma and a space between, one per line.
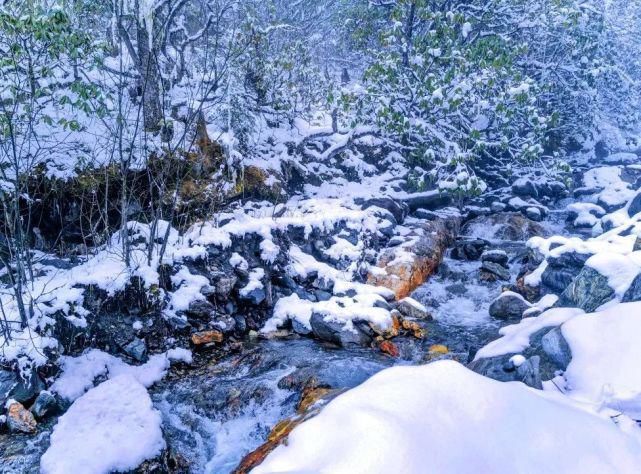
605, 358
112, 427
444, 418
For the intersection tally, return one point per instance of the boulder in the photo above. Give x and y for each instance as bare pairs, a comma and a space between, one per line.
411, 308
588, 291
508, 305
19, 419
469, 249
397, 209
504, 226
335, 332
44, 405
495, 256
14, 387
556, 348
493, 271
505, 369
534, 213
525, 188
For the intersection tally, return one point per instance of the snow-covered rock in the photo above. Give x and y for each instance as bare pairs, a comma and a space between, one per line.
444, 418
113, 427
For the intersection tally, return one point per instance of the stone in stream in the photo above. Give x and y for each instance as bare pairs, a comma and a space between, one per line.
491, 271
334, 332
508, 305
510, 368
14, 387
19, 419
495, 256
588, 291
504, 226
44, 405
469, 249
411, 308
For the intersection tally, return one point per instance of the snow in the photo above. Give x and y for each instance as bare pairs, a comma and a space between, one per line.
79, 373
605, 358
112, 427
255, 282
619, 269
516, 337
444, 418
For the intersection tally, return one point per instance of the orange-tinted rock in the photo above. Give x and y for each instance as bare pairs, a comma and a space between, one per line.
389, 348
310, 396
206, 337
412, 326
20, 420
404, 268
438, 349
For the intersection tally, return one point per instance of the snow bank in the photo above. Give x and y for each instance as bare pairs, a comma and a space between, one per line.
516, 337
605, 358
112, 427
79, 373
444, 418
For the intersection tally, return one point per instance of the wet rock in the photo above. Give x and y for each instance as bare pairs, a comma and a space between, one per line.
389, 348
224, 285
534, 214
497, 206
556, 348
336, 333
438, 350
137, 349
411, 308
469, 249
495, 256
492, 272
503, 369
206, 337
508, 305
44, 405
300, 328
588, 291
19, 419
224, 323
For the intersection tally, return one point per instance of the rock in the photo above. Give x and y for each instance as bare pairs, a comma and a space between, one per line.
504, 226
206, 337
508, 305
557, 348
300, 328
224, 323
255, 296
44, 405
438, 350
588, 291
411, 308
15, 388
415, 328
201, 309
137, 349
633, 293
497, 206
493, 271
397, 209
332, 331
426, 245
469, 249
19, 419
495, 256
224, 284
534, 214
502, 368
635, 205
525, 188
389, 348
